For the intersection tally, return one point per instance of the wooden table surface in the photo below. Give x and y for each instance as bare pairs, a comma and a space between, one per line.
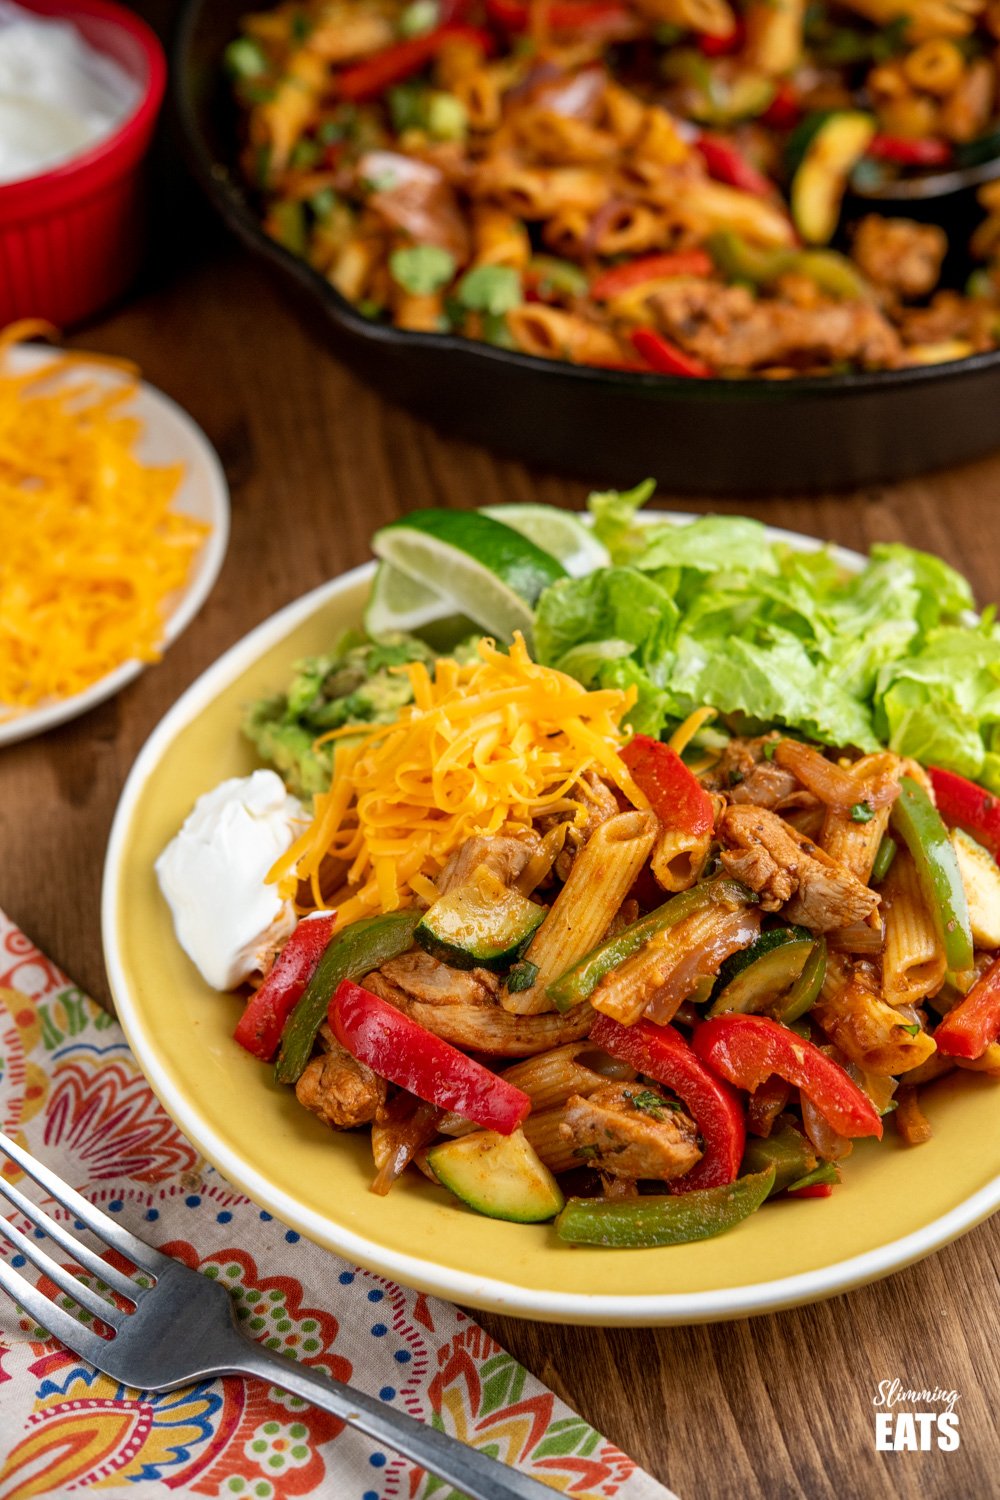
775, 1407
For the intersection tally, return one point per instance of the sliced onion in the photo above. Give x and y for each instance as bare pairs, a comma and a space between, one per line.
873, 779
409, 1124
828, 1142
737, 929
575, 98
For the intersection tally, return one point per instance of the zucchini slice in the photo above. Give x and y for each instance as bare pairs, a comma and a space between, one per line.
769, 968
498, 1175
981, 879
820, 179
481, 925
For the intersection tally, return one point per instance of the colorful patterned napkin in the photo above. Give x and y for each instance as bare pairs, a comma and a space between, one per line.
72, 1093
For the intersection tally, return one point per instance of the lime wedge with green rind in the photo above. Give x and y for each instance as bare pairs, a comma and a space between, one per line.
558, 532
478, 566
398, 602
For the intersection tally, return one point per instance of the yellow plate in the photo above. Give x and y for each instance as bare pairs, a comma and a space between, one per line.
896, 1205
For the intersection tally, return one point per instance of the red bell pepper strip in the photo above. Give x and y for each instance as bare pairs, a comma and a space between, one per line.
725, 45
261, 1024
747, 1050
396, 1048
618, 279
970, 806
928, 152
974, 1023
562, 15
726, 164
814, 1190
675, 794
785, 109
664, 357
662, 1053
370, 78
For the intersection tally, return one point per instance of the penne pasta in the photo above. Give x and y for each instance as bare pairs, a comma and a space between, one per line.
679, 858
854, 845
913, 962
493, 136
603, 873
545, 1133
551, 332
550, 1078
874, 1035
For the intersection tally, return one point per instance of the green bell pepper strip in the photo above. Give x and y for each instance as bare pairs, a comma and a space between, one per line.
884, 856
785, 1151
830, 272
350, 954
919, 824
805, 991
824, 1175
580, 982
650, 1221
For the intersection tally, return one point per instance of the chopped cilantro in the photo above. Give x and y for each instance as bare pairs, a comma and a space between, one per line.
323, 203
422, 269
862, 812
407, 106
419, 17
305, 154
649, 1103
587, 1153
496, 332
490, 289
914, 1029
769, 749
245, 58
383, 183
735, 777
522, 976
301, 27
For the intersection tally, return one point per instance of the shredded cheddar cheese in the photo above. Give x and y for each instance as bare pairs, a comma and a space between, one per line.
91, 547
485, 747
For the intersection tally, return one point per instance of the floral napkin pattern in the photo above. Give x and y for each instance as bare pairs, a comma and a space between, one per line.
72, 1093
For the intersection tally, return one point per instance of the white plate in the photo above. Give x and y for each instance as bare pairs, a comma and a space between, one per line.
896, 1206
169, 436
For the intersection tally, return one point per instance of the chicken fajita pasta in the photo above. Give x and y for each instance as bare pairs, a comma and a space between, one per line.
647, 185
635, 983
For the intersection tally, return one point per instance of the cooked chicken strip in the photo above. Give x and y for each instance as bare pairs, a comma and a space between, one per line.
631, 1130
425, 978
503, 855
745, 774
788, 870
338, 1088
487, 1028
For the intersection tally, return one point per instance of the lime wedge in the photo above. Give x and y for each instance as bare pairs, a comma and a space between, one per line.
478, 566
558, 532
398, 602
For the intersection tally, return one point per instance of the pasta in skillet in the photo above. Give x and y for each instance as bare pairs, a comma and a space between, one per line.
638, 185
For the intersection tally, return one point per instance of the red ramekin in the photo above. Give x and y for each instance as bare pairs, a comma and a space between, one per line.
71, 238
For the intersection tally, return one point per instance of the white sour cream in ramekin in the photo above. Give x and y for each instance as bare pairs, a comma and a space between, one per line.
58, 96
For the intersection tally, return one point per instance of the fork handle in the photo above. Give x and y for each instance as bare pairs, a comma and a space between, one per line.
472, 1473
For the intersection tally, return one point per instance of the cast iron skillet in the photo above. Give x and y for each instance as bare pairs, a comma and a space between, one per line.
694, 436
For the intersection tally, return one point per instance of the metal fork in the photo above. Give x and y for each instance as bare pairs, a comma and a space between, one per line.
183, 1329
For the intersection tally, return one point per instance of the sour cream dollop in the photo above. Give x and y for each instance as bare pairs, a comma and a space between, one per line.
58, 95
213, 875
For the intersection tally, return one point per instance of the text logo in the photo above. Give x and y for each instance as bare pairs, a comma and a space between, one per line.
910, 1421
